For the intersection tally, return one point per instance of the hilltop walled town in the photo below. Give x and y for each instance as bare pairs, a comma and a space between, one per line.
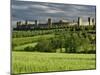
50, 24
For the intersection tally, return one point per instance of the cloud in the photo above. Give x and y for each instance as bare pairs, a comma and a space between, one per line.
22, 10
19, 7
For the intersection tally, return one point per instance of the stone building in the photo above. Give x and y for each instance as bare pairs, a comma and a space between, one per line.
79, 21
49, 23
90, 21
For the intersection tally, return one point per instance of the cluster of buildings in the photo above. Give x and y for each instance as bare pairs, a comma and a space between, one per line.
50, 24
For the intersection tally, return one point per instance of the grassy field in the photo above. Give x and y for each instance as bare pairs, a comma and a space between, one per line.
28, 40
26, 62
22, 47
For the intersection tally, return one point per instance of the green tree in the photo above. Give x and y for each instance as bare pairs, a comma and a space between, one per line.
72, 43
44, 46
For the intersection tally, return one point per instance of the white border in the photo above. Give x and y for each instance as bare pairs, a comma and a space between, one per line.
5, 37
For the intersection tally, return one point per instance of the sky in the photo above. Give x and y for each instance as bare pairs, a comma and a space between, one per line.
30, 10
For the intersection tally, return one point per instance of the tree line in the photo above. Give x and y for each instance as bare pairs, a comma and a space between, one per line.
76, 42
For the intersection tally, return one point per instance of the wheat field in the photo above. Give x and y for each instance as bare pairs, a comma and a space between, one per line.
28, 62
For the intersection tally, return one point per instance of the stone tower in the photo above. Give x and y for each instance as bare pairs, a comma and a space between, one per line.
60, 21
18, 23
49, 23
93, 21
26, 22
36, 23
90, 21
79, 21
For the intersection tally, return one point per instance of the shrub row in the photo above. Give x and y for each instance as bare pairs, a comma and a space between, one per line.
71, 42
